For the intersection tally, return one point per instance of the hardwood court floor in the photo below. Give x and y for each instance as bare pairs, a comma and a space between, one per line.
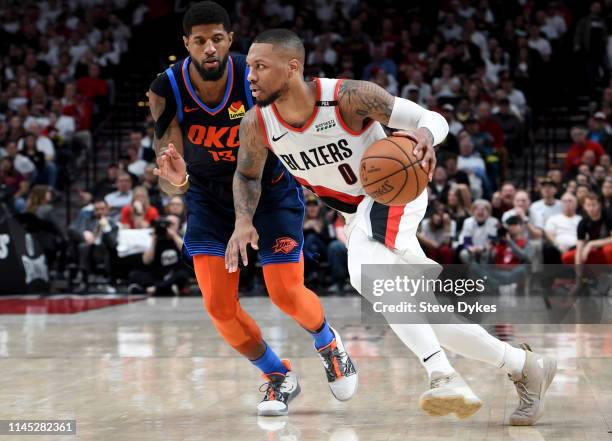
157, 370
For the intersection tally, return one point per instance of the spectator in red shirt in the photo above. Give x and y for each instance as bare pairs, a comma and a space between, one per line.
91, 85
94, 89
490, 124
77, 106
140, 213
580, 145
510, 250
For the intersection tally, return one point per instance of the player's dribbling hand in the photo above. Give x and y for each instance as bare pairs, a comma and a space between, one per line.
171, 166
243, 235
424, 149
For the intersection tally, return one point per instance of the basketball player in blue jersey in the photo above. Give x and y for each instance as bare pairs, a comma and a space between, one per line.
197, 105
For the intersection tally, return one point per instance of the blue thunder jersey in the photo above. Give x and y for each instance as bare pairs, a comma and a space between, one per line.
210, 142
210, 135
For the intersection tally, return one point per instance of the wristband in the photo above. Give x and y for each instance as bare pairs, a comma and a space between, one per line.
182, 183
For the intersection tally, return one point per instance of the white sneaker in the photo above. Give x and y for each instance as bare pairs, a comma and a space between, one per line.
531, 385
340, 370
279, 390
449, 393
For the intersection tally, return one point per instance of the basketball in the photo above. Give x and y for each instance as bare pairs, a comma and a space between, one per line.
390, 173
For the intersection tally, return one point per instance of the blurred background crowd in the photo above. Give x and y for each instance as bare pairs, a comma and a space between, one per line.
523, 177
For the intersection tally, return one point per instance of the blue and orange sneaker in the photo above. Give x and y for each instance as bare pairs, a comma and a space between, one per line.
280, 389
340, 370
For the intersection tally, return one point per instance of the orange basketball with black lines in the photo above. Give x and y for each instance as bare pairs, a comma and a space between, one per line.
390, 173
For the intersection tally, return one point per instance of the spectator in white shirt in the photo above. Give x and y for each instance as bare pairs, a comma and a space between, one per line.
538, 43
77, 46
522, 204
136, 165
470, 162
43, 143
561, 230
417, 83
21, 163
555, 19
540, 211
477, 233
123, 196
324, 53
466, 10
448, 84
546, 27
477, 37
516, 97
450, 29
454, 126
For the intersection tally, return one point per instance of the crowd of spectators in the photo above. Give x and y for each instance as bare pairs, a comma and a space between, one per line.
481, 64
57, 64
128, 230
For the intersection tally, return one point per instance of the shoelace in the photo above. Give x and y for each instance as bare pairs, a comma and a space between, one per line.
524, 396
275, 386
329, 355
441, 381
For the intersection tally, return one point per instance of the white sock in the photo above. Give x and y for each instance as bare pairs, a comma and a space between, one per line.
473, 341
514, 360
422, 341
437, 362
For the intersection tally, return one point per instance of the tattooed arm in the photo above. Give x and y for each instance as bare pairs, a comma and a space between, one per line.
173, 166
363, 100
360, 101
252, 156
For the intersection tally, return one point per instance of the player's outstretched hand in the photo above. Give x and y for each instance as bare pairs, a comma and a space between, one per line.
424, 149
244, 234
171, 166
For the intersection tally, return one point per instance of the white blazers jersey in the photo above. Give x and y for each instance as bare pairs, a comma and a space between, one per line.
324, 156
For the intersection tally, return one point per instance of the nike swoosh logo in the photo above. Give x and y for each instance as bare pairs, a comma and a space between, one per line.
276, 139
425, 359
190, 109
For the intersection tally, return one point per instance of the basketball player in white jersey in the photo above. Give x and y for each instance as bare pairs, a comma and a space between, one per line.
320, 131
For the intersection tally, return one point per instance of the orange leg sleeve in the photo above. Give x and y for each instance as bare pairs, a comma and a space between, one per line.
285, 283
220, 294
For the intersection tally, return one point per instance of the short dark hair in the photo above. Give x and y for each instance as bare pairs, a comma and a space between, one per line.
284, 38
514, 220
592, 196
206, 12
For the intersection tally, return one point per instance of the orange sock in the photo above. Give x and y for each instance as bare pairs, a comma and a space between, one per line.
220, 293
285, 283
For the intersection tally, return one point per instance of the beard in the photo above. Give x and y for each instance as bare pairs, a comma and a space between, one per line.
264, 102
211, 74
